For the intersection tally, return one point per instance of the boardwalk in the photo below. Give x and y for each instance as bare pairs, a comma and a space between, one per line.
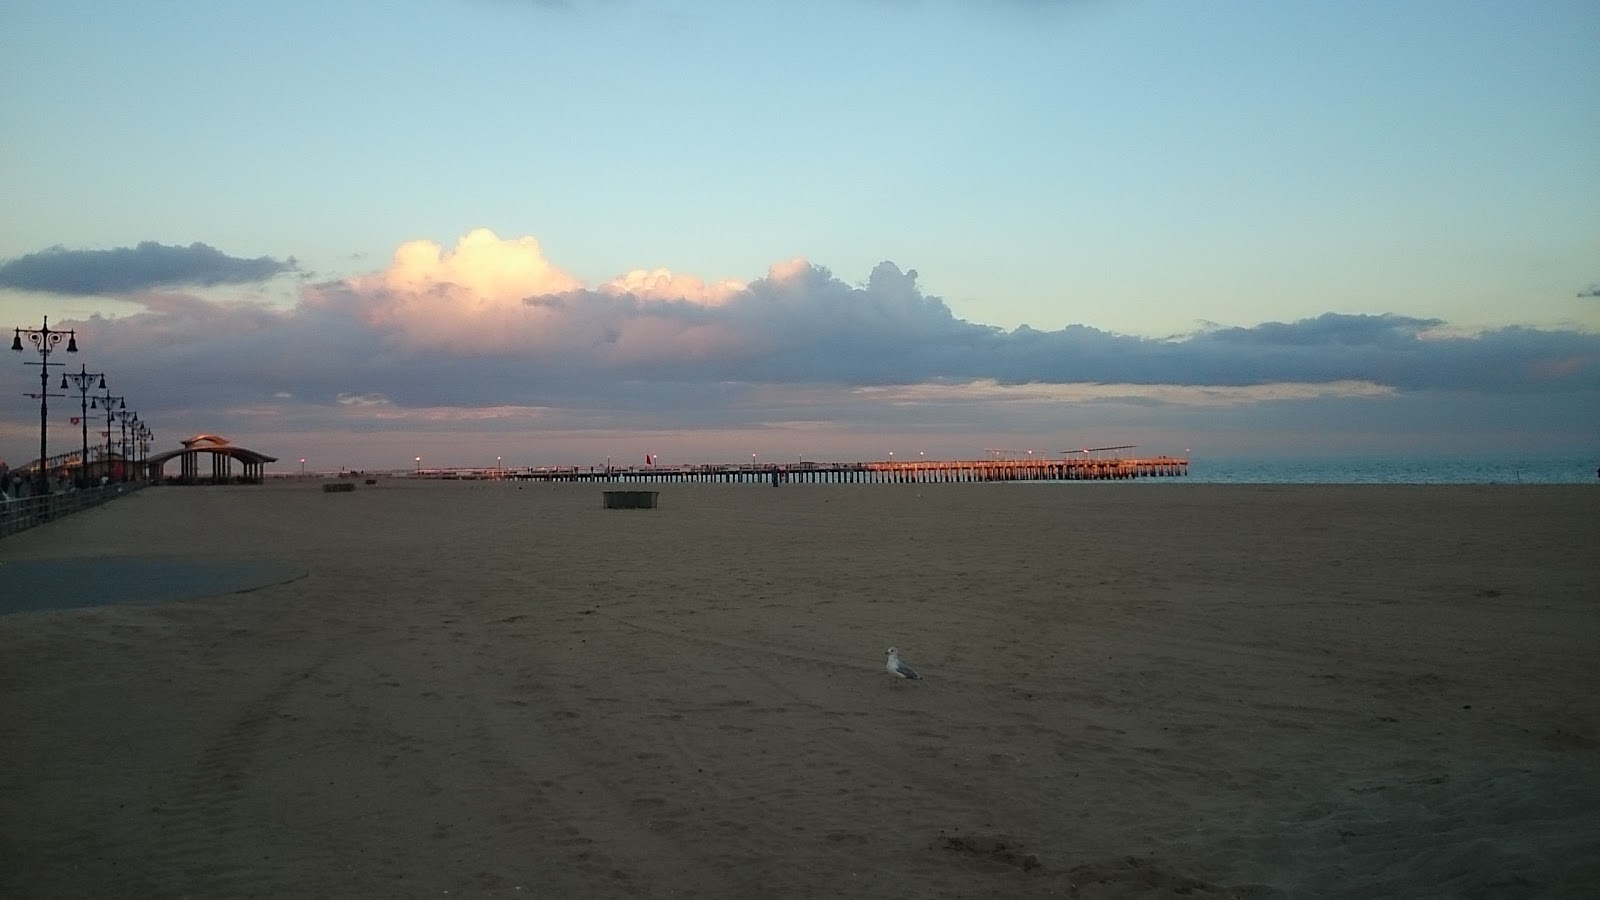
892, 472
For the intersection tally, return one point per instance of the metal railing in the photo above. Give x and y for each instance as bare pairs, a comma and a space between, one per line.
22, 513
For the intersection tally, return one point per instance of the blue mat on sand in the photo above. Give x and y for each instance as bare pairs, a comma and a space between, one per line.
35, 585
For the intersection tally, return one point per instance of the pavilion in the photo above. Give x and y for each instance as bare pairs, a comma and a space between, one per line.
223, 454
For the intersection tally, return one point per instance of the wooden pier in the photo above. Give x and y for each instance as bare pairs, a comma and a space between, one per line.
882, 472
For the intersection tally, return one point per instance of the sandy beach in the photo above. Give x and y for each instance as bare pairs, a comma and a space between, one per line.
1131, 690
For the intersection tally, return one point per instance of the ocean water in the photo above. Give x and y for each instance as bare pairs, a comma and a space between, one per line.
1508, 469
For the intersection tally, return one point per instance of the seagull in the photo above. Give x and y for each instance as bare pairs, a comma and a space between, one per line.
896, 667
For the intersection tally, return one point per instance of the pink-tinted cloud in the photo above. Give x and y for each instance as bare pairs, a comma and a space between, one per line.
503, 296
466, 298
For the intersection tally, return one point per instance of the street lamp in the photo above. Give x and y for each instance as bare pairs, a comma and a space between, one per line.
110, 404
139, 446
302, 468
44, 339
81, 379
145, 436
419, 467
498, 471
126, 419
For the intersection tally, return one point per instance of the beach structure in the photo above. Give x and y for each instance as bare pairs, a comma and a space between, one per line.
223, 455
630, 499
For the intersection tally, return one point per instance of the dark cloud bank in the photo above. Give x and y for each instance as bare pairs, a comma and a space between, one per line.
131, 269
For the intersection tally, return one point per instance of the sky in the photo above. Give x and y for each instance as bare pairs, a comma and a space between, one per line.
549, 232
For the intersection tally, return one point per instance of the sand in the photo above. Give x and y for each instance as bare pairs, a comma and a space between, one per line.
1133, 689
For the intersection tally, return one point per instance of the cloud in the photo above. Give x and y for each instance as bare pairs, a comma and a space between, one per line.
664, 284
988, 391
494, 296
482, 266
363, 400
491, 336
129, 269
493, 316
1592, 290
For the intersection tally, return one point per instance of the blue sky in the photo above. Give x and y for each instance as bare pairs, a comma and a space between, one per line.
1253, 227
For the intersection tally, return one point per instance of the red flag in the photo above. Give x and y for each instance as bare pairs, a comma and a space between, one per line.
76, 420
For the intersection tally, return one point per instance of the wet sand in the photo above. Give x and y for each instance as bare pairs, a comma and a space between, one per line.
1132, 689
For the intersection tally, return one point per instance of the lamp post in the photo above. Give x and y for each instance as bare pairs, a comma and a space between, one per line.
144, 438
44, 339
419, 467
81, 380
110, 404
138, 444
126, 419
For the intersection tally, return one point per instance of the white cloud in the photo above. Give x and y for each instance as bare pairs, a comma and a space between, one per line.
363, 400
465, 299
488, 268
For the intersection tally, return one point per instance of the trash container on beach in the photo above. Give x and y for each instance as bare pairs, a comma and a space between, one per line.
630, 499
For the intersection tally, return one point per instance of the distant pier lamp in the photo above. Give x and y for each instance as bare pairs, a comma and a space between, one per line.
302, 467
82, 379
419, 467
45, 340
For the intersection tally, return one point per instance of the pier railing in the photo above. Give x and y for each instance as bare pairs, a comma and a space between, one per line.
21, 513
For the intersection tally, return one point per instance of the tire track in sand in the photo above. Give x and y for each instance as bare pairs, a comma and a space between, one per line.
206, 819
